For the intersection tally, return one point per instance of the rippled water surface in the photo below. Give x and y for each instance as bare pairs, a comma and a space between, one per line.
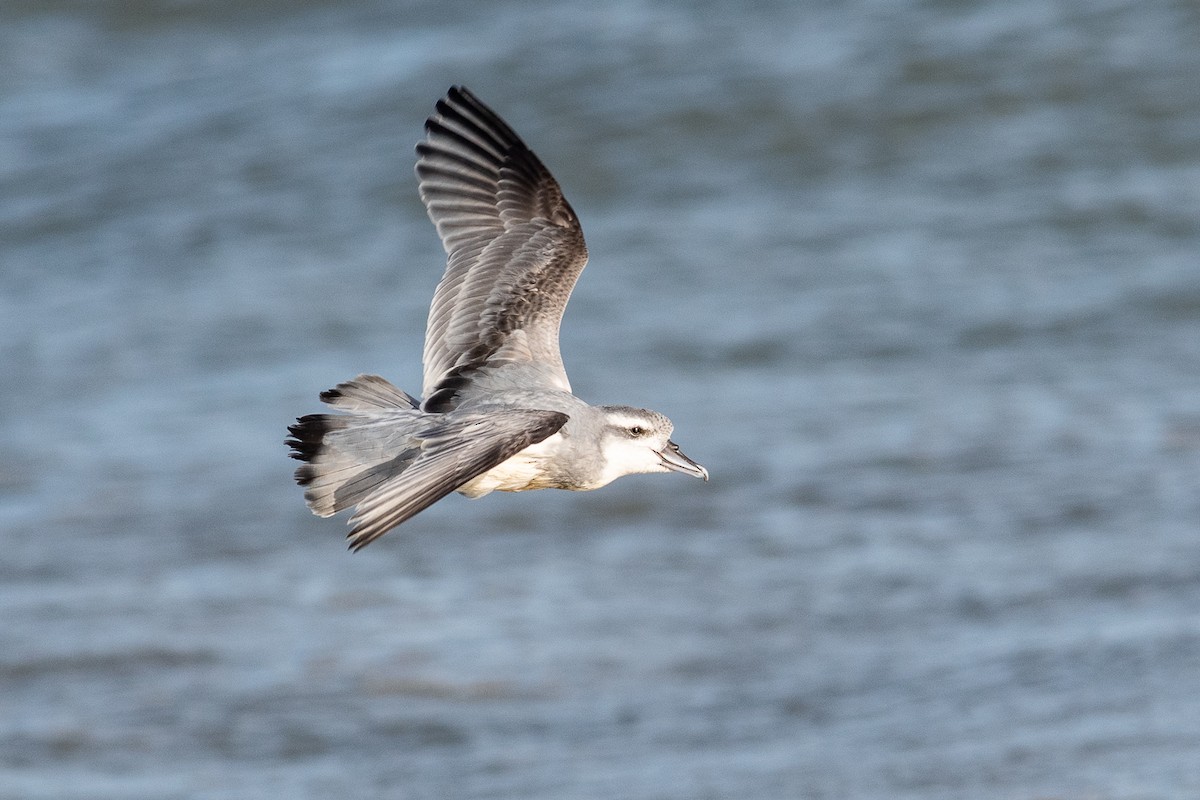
918, 282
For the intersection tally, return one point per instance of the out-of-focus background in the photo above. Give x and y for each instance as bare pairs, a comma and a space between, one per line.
919, 282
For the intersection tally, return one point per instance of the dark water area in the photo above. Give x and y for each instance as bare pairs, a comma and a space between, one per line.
918, 282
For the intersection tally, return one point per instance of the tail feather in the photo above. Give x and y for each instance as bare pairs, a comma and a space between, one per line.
349, 455
357, 488
307, 433
366, 393
390, 460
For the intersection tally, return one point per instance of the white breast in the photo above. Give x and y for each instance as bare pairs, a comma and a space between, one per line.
522, 472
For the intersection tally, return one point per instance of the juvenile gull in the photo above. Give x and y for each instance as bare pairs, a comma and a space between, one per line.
498, 413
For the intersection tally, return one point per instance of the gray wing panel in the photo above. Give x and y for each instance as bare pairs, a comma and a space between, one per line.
515, 248
452, 452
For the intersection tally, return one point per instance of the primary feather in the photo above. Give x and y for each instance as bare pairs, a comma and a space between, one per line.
515, 250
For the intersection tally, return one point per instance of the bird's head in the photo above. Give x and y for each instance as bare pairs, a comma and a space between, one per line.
636, 440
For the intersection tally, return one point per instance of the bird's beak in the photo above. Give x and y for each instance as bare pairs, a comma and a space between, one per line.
674, 459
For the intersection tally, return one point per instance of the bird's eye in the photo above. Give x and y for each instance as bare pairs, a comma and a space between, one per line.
636, 430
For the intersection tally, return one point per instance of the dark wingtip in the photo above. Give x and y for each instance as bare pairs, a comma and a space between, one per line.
307, 433
305, 475
357, 540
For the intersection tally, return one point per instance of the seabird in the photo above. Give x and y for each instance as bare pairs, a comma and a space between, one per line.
497, 413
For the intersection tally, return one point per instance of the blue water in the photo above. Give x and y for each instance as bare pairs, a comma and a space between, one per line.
918, 282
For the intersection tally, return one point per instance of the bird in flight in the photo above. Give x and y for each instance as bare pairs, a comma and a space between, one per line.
497, 413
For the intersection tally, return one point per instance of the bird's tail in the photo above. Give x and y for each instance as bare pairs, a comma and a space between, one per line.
349, 455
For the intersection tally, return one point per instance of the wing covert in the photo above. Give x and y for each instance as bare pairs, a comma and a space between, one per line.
452, 452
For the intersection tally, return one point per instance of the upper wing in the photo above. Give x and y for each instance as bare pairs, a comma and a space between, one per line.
514, 244
450, 453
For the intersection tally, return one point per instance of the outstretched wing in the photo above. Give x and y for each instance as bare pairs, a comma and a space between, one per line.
449, 453
515, 250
